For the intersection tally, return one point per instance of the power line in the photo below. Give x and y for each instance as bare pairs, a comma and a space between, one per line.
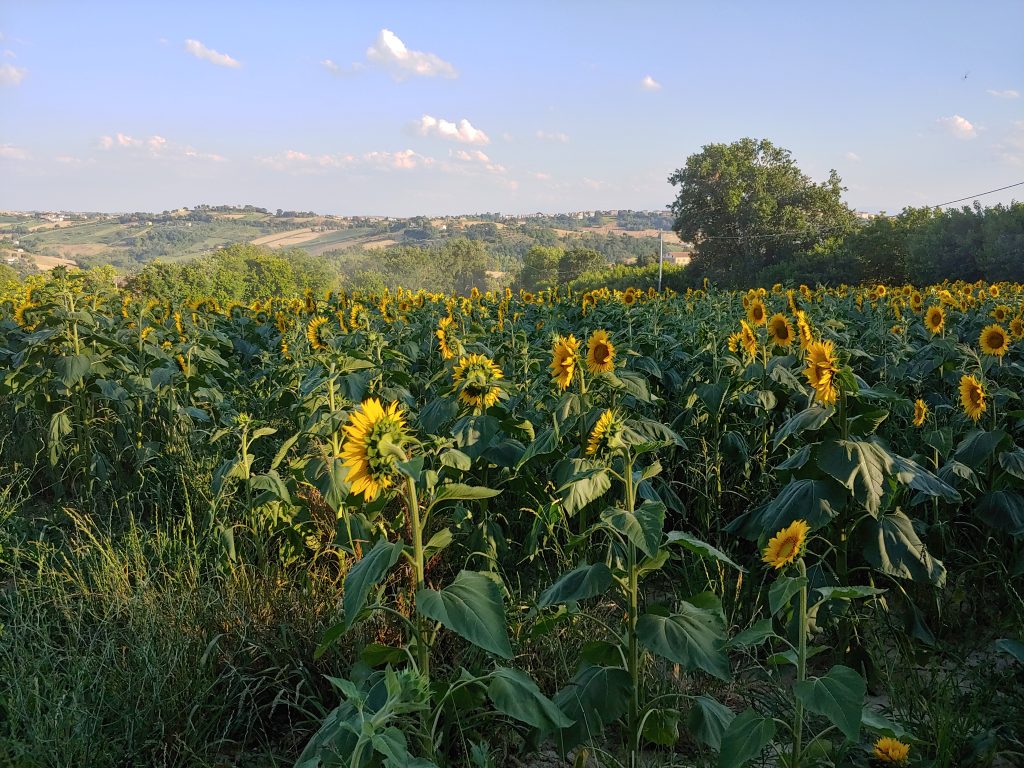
980, 194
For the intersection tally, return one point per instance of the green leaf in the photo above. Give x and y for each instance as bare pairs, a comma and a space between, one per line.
456, 460
1004, 511
581, 482
913, 475
693, 638
471, 606
438, 542
881, 725
708, 721
643, 528
365, 574
453, 491
782, 591
699, 547
812, 419
661, 727
816, 501
839, 696
545, 443
71, 369
595, 697
743, 740
893, 547
753, 635
1013, 462
514, 693
847, 593
582, 582
475, 434
1013, 647
978, 446
861, 466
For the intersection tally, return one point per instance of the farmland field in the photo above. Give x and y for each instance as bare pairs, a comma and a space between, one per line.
774, 527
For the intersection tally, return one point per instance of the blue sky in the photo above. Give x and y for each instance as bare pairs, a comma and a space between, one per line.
433, 108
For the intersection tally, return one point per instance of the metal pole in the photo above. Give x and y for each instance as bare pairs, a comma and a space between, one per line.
661, 259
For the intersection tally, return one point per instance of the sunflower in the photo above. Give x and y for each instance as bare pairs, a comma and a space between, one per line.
993, 291
780, 330
890, 751
748, 339
916, 301
600, 353
994, 340
756, 312
314, 334
935, 319
803, 328
563, 360
629, 297
920, 412
371, 470
476, 377
1000, 313
822, 367
443, 342
972, 397
734, 341
880, 291
785, 546
605, 434
1017, 326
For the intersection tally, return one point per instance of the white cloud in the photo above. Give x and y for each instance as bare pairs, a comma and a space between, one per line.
1009, 93
463, 131
404, 160
595, 184
541, 176
650, 84
10, 54
558, 137
1011, 149
294, 161
200, 51
959, 127
11, 152
157, 146
390, 52
12, 75
330, 66
853, 157
478, 157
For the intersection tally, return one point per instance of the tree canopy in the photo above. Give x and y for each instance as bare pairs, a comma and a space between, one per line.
747, 206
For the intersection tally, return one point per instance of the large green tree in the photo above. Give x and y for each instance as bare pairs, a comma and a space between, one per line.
747, 207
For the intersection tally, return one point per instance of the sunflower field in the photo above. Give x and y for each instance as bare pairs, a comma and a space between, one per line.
778, 527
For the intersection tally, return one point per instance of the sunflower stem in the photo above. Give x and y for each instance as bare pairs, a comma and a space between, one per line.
634, 649
419, 567
801, 668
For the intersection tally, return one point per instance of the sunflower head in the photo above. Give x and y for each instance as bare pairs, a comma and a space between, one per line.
600, 353
476, 377
748, 339
889, 751
1017, 327
1001, 313
780, 330
606, 434
935, 319
920, 412
564, 357
993, 291
629, 297
315, 333
786, 546
371, 465
756, 313
822, 371
916, 301
972, 397
994, 340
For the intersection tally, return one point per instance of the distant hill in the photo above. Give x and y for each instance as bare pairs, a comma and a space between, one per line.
128, 241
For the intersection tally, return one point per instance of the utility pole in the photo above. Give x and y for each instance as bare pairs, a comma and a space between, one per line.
661, 259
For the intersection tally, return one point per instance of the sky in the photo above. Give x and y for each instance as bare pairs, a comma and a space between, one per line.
436, 108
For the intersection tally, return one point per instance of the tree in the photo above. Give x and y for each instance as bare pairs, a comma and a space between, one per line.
577, 260
747, 206
540, 267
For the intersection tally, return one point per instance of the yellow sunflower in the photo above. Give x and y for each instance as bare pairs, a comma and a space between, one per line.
993, 291
803, 328
605, 434
916, 301
371, 470
994, 340
1000, 313
780, 330
756, 313
1017, 326
920, 412
748, 339
891, 751
443, 342
476, 377
564, 356
600, 353
972, 397
629, 297
822, 367
785, 546
935, 319
314, 334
